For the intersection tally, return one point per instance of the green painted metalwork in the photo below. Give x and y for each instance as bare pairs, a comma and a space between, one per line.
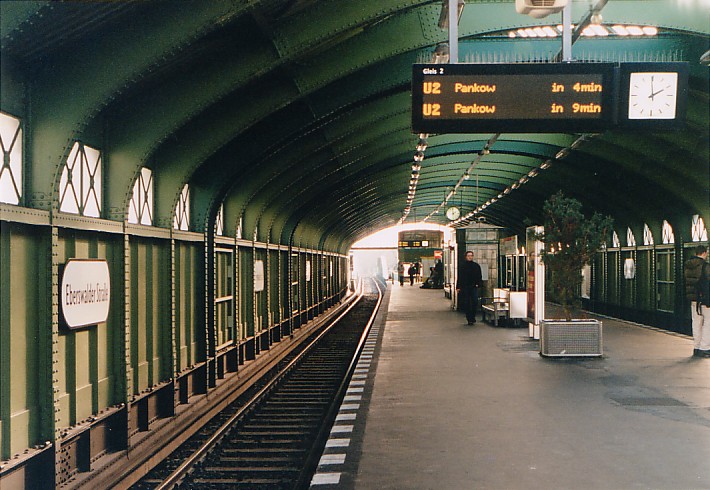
149, 300
87, 372
295, 117
246, 293
23, 341
360, 39
189, 327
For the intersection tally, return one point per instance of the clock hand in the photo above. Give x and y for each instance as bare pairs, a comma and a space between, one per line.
653, 94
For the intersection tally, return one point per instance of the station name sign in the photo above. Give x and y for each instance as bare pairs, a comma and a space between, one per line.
85, 292
538, 97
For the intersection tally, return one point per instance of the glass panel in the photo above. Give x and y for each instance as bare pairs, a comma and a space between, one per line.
630, 238
645, 281
219, 221
613, 277
68, 199
182, 210
146, 210
91, 182
615, 240
11, 163
133, 205
665, 265
668, 236
140, 209
80, 183
223, 297
647, 235
698, 231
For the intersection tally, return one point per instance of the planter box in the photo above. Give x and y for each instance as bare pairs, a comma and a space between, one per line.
575, 338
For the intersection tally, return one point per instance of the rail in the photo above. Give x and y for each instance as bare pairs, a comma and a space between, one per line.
315, 453
184, 468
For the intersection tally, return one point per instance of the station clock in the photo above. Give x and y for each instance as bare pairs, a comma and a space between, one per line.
453, 213
653, 95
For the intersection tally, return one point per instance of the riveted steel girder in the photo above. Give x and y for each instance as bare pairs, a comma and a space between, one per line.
295, 115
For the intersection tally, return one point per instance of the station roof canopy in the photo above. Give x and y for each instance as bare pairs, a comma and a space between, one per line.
295, 115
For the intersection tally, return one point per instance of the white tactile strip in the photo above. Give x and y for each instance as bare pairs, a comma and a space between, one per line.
349, 418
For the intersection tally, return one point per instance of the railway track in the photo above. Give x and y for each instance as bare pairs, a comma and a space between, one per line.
273, 440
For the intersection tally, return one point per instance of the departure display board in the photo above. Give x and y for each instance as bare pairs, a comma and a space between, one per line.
544, 97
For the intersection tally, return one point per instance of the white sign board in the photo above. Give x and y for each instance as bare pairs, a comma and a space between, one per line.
535, 281
518, 301
85, 292
509, 245
308, 270
258, 275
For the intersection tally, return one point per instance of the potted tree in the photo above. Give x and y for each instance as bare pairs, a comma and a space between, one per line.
570, 242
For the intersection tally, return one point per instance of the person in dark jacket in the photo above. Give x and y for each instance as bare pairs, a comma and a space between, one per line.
696, 271
413, 271
439, 274
467, 284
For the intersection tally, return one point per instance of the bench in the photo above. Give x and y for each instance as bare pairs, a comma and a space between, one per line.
498, 306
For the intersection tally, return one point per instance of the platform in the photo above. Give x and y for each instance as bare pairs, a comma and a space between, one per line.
444, 405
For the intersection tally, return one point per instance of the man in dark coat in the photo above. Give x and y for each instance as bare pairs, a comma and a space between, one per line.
412, 273
469, 280
439, 274
697, 272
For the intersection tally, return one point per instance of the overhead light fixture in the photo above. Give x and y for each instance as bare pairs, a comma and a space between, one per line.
444, 15
419, 156
539, 8
422, 144
416, 167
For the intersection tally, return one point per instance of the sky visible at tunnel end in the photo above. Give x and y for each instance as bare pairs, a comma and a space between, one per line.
388, 236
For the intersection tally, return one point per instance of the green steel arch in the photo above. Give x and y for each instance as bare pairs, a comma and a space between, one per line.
301, 128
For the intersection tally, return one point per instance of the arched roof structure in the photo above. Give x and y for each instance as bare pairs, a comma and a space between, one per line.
296, 114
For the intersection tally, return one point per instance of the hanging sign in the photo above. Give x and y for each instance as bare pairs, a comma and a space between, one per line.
258, 275
509, 245
548, 97
85, 292
517, 97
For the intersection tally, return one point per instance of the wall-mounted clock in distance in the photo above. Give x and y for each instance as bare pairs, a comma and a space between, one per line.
453, 213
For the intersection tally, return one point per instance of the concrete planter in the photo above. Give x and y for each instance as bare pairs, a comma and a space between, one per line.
575, 338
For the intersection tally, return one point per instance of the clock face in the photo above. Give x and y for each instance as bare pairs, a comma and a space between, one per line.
453, 213
652, 95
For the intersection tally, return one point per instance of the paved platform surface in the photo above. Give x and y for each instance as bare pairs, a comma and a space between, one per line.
439, 404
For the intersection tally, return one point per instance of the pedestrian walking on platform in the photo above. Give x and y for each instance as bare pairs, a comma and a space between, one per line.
469, 280
412, 273
400, 273
697, 289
